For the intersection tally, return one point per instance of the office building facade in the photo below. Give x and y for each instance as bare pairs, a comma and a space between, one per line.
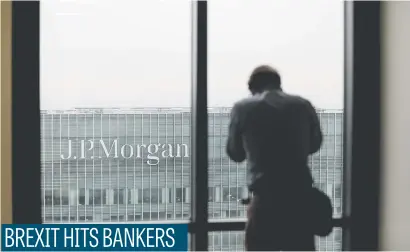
133, 165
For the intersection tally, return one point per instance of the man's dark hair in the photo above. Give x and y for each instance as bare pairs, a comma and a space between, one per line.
264, 77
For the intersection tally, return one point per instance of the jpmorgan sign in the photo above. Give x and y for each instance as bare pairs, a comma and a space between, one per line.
99, 149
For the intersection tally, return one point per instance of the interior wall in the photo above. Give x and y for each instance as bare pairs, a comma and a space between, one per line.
395, 207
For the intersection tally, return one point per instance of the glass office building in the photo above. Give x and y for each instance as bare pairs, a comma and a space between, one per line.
131, 165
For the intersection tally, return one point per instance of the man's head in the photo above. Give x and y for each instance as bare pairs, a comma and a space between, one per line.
264, 78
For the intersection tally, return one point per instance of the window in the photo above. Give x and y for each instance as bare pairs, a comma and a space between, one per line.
48, 197
98, 197
122, 146
231, 194
211, 194
234, 213
56, 197
155, 196
144, 195
63, 193
338, 191
245, 34
150, 195
226, 241
81, 198
119, 196
181, 195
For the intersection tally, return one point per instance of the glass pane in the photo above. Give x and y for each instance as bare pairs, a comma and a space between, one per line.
226, 241
333, 242
115, 117
235, 241
304, 41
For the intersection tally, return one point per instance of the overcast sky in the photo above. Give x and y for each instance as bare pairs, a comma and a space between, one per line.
136, 53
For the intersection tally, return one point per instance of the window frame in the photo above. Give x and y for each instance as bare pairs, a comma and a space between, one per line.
362, 125
362, 95
26, 170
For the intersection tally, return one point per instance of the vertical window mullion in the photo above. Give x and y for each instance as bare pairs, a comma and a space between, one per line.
150, 170
160, 199
103, 185
118, 170
166, 169
69, 173
127, 195
52, 167
182, 166
93, 178
78, 189
109, 166
213, 168
86, 199
43, 142
135, 192
173, 167
61, 172
142, 167
199, 183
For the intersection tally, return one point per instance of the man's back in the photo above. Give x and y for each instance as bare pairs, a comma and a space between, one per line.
275, 132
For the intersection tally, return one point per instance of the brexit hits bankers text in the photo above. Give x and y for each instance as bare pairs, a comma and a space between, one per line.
82, 237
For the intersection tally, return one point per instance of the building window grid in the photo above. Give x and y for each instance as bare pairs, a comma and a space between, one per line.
68, 167
166, 168
229, 188
101, 164
58, 122
221, 154
43, 144
320, 153
326, 149
85, 166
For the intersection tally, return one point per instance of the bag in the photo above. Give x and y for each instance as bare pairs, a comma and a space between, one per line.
321, 213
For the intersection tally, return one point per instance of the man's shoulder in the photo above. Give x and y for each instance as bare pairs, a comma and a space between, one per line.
296, 99
246, 104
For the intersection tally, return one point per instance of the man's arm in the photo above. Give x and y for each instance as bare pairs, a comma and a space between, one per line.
234, 146
316, 136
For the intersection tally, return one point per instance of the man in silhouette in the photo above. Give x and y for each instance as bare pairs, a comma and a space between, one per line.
275, 132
